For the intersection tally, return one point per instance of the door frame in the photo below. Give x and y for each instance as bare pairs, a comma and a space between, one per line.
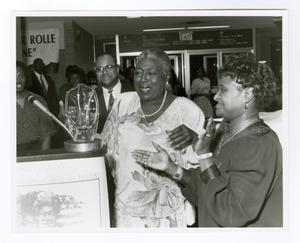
189, 53
171, 54
218, 52
185, 63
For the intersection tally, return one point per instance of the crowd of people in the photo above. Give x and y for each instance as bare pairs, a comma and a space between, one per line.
171, 164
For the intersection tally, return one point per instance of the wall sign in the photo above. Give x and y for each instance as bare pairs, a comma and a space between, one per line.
41, 43
185, 35
187, 40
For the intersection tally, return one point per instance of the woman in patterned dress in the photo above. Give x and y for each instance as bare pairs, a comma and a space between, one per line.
140, 120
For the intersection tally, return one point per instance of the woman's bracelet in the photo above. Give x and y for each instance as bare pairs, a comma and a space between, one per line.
205, 161
204, 156
209, 174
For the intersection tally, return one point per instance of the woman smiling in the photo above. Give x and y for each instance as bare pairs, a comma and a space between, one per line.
145, 198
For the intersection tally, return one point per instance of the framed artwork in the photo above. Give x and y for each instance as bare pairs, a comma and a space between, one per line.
61, 196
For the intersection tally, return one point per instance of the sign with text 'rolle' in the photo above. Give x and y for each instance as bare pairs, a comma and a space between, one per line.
43, 43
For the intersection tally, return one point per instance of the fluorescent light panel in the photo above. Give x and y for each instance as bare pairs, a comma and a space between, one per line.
166, 29
208, 27
189, 28
133, 17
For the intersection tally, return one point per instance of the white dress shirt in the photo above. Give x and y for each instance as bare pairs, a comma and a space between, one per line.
115, 93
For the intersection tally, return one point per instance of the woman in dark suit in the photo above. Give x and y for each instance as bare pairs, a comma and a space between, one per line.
240, 183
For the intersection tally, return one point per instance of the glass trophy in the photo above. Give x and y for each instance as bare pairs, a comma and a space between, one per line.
82, 112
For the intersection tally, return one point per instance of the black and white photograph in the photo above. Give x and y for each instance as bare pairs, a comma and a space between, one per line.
187, 110
61, 196
151, 121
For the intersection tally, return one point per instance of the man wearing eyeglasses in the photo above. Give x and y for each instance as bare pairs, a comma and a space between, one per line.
110, 86
109, 89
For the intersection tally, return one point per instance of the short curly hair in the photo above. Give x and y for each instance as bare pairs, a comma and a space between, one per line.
244, 70
159, 55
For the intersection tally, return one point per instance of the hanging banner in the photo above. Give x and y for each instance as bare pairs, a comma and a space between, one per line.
43, 43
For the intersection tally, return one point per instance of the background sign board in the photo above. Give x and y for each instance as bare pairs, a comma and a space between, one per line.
41, 43
188, 40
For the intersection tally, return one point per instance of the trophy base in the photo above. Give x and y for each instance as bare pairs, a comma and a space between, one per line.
72, 146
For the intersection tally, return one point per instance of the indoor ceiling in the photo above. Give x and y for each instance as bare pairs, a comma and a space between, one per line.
105, 26
102, 27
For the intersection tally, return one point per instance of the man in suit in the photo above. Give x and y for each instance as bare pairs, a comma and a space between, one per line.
110, 86
44, 86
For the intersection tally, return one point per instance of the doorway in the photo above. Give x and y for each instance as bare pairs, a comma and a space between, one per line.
128, 60
208, 60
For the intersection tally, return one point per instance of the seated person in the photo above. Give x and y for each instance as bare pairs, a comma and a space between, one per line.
34, 128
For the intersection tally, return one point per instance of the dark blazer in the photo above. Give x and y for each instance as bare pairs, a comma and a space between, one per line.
125, 87
246, 188
50, 97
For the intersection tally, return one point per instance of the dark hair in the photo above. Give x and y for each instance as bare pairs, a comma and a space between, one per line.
68, 68
202, 70
38, 60
244, 70
26, 71
91, 74
91, 78
73, 69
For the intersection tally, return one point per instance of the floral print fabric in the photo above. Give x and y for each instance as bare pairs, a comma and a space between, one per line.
144, 197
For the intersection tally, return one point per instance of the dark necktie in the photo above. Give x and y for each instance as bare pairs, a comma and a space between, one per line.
43, 85
110, 100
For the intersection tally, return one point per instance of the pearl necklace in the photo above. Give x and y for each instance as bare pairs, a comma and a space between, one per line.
158, 110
